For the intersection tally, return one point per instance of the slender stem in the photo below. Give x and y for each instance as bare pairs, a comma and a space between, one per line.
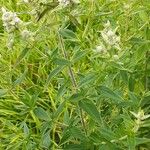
74, 83
146, 68
71, 74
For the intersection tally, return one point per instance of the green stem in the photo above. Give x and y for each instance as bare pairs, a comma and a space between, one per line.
146, 68
74, 83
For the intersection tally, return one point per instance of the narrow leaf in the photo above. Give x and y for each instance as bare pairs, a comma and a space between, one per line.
66, 33
20, 79
25, 129
21, 56
87, 80
78, 55
61, 61
41, 114
3, 92
59, 109
54, 73
110, 94
46, 140
89, 107
77, 133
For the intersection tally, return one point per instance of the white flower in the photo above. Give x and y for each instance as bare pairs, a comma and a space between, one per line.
27, 35
109, 36
139, 118
76, 1
107, 24
64, 2
101, 49
25, 1
10, 20
103, 143
140, 115
116, 57
126, 6
67, 2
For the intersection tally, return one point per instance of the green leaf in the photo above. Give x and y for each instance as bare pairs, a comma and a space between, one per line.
148, 34
105, 91
26, 99
77, 97
142, 141
59, 110
84, 145
66, 118
48, 8
25, 129
134, 98
135, 40
62, 89
53, 74
144, 16
109, 146
3, 92
77, 147
20, 79
95, 137
61, 61
66, 33
21, 56
46, 126
77, 133
66, 137
87, 80
131, 84
118, 66
74, 20
89, 107
78, 55
107, 134
131, 143
140, 53
46, 140
41, 114
124, 76
146, 99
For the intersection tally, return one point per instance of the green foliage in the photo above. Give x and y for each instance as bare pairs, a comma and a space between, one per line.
66, 86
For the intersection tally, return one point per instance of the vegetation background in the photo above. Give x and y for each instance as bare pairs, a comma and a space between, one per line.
63, 86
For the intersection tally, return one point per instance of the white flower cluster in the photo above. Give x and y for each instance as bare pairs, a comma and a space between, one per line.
140, 116
110, 40
109, 36
64, 2
10, 20
67, 2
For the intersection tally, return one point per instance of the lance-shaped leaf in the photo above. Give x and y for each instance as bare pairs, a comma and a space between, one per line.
106, 92
21, 56
89, 107
54, 73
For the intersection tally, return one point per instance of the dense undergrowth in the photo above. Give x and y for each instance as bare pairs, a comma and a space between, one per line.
75, 75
